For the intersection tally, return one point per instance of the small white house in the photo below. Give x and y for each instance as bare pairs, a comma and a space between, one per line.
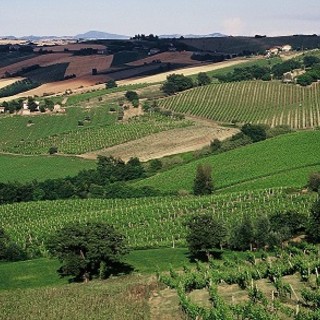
2, 109
286, 48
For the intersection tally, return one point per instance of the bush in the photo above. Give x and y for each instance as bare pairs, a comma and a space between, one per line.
131, 96
256, 132
314, 181
53, 150
111, 84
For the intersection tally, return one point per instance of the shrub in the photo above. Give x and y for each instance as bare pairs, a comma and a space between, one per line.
53, 150
314, 181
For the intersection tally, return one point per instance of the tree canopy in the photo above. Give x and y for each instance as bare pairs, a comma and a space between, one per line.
176, 83
205, 233
87, 250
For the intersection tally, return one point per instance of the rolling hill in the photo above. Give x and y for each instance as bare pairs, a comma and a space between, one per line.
271, 102
265, 164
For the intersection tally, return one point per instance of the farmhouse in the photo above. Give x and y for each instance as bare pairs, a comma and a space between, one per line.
273, 51
286, 48
2, 109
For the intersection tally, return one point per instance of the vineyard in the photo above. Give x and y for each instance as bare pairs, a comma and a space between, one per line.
146, 222
98, 129
271, 103
284, 161
285, 287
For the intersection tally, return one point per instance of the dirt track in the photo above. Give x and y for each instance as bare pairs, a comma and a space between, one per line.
7, 82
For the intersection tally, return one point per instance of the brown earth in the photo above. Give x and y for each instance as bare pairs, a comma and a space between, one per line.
167, 143
185, 71
183, 57
71, 47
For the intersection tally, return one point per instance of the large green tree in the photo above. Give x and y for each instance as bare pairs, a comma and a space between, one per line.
205, 234
87, 250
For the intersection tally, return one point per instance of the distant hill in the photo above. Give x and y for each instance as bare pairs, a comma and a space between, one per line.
211, 35
100, 35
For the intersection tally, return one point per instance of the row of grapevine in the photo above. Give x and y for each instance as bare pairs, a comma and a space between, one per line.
93, 138
147, 222
282, 287
272, 103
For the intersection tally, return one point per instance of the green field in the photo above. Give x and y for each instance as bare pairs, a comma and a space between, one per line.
265, 164
28, 168
271, 102
146, 222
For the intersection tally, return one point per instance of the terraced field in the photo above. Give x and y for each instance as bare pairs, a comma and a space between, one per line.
272, 103
262, 165
146, 222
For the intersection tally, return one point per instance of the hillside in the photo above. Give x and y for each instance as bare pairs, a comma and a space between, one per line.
146, 222
272, 103
265, 164
26, 169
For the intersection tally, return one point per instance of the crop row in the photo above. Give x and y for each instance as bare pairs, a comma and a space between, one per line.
272, 103
96, 138
147, 222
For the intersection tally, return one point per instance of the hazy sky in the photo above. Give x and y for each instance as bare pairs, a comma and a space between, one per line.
129, 17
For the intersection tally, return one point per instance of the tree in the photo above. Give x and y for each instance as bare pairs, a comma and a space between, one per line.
314, 181
53, 150
205, 233
203, 79
176, 83
203, 181
244, 234
313, 229
87, 250
256, 132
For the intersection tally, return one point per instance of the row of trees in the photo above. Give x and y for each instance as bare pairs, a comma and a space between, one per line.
208, 233
178, 82
106, 181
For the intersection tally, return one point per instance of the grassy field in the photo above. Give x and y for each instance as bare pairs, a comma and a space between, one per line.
295, 154
146, 222
28, 168
272, 103
115, 299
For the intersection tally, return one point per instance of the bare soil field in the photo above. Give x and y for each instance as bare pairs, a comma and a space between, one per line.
166, 57
167, 143
185, 71
83, 65
42, 60
71, 47
7, 82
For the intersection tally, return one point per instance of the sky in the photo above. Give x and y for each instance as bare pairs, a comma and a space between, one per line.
130, 17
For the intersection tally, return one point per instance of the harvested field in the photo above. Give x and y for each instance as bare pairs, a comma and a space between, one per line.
166, 57
71, 47
167, 143
83, 65
42, 60
59, 87
185, 71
